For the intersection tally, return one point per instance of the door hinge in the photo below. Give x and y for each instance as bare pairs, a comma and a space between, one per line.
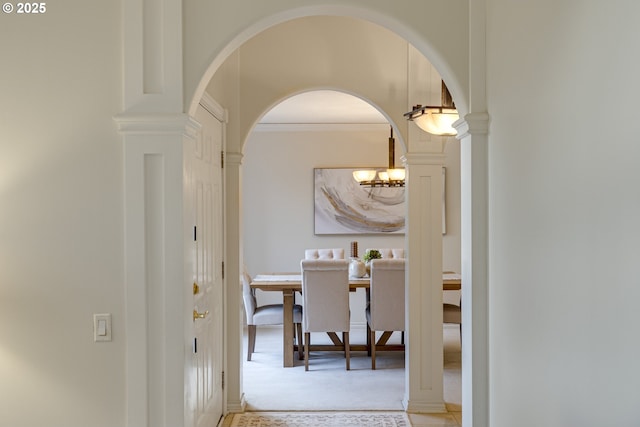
223, 380
223, 269
222, 159
195, 233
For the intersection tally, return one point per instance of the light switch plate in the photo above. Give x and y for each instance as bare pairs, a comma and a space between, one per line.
102, 327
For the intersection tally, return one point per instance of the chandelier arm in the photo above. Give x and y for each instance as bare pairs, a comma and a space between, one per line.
391, 178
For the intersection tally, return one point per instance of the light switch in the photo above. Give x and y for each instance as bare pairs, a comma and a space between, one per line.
102, 327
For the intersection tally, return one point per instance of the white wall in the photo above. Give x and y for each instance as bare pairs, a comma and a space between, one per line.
564, 234
278, 197
61, 221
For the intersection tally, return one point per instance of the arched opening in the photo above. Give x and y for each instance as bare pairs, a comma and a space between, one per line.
251, 115
279, 157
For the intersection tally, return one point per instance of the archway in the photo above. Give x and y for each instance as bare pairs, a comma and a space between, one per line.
427, 163
202, 38
290, 145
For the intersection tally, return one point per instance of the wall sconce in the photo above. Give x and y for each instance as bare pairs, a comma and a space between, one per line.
436, 120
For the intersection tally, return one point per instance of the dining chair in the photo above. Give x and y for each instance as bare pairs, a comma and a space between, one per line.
271, 314
452, 313
386, 308
390, 253
325, 293
333, 253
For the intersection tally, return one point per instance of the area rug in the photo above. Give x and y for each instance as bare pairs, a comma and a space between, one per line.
320, 419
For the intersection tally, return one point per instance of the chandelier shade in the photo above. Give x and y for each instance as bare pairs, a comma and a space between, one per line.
364, 175
436, 120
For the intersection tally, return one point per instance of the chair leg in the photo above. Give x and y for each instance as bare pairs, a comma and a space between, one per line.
368, 340
299, 341
307, 339
347, 349
251, 341
372, 337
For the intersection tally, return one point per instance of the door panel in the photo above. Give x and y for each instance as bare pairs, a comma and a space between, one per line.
206, 393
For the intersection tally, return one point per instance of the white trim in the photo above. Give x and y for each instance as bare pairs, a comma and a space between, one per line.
212, 106
320, 127
156, 124
475, 275
153, 174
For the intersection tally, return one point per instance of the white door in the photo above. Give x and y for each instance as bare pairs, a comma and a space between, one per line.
204, 170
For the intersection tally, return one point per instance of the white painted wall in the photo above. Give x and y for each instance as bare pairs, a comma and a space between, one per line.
564, 232
61, 217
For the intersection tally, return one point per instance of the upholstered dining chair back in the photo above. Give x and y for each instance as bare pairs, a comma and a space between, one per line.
325, 293
452, 313
332, 253
392, 253
248, 297
271, 314
386, 306
385, 311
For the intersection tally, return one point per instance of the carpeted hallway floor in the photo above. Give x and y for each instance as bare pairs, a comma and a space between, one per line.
328, 387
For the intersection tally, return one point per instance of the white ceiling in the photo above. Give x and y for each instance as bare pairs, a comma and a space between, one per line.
323, 106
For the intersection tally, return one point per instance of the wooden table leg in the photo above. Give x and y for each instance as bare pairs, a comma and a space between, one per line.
287, 328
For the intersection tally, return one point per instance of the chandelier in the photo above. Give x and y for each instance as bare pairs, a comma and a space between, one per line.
436, 120
392, 177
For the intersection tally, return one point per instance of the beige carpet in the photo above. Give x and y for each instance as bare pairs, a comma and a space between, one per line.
320, 419
328, 386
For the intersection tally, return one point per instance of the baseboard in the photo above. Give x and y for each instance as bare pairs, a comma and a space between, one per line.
239, 407
414, 407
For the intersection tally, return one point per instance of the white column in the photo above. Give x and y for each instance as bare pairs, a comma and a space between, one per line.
152, 32
424, 359
233, 304
472, 132
155, 290
474, 212
154, 130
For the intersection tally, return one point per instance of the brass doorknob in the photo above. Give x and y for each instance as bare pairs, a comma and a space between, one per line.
197, 315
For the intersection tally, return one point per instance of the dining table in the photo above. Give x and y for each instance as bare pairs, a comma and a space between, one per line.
290, 283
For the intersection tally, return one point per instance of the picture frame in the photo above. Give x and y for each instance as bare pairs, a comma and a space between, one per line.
444, 201
343, 206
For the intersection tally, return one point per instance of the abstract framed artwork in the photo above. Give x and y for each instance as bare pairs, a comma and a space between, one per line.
342, 206
444, 201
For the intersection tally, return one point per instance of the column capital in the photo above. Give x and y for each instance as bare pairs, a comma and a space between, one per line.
157, 124
233, 158
412, 158
472, 124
